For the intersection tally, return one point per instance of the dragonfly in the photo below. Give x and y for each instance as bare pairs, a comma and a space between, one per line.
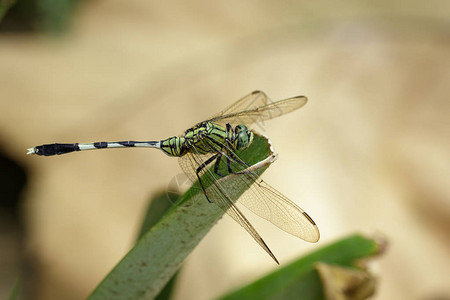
208, 144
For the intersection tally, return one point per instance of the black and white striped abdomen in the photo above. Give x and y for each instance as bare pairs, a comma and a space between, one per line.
58, 149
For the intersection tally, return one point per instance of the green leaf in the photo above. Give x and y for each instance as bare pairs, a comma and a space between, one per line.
158, 207
300, 279
149, 265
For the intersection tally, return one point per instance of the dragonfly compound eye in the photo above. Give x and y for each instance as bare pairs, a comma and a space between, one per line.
243, 137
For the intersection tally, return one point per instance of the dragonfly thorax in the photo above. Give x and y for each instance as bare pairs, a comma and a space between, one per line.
207, 137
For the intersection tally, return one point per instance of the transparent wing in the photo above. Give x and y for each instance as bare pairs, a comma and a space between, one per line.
268, 203
251, 101
219, 191
255, 108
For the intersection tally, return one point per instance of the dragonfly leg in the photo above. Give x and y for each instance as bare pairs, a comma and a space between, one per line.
201, 167
233, 157
237, 160
217, 164
229, 165
219, 157
228, 153
230, 158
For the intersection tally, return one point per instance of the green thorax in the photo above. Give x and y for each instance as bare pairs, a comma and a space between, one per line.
202, 136
207, 137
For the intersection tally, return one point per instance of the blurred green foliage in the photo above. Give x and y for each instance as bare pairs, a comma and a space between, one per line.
36, 15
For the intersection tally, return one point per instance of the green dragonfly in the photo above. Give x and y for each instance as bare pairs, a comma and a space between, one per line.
214, 142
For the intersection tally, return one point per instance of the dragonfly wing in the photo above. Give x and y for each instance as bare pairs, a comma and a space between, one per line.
251, 101
219, 190
261, 113
218, 193
270, 204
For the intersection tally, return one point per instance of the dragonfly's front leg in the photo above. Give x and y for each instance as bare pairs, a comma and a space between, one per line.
230, 157
233, 157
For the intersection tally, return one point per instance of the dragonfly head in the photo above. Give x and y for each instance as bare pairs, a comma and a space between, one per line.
243, 137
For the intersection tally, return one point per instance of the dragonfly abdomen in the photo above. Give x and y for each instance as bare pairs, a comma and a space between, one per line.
58, 149
53, 149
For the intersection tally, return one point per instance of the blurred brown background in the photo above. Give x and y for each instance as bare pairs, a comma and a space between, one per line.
369, 153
